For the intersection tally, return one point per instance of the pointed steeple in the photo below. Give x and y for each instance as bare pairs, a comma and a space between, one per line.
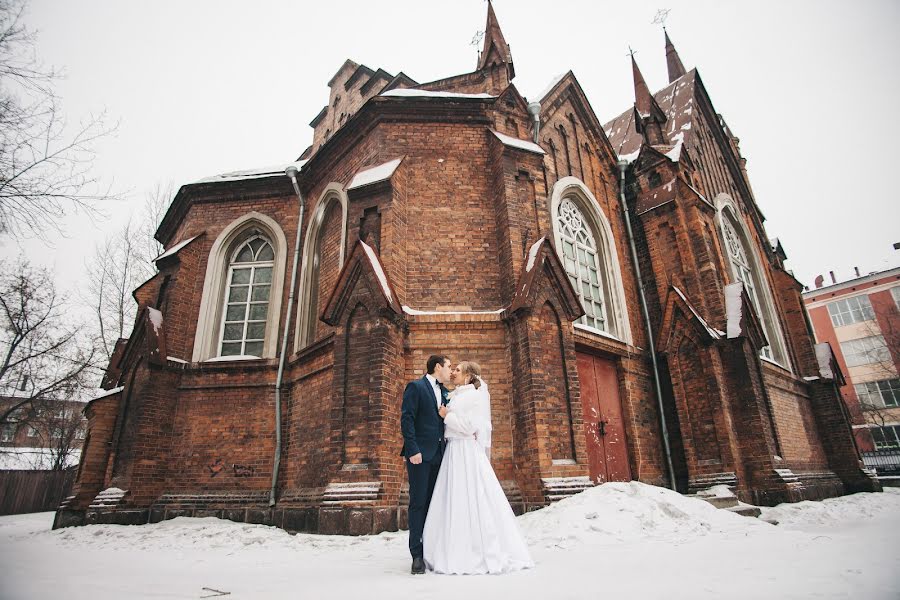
673, 61
642, 97
650, 116
495, 50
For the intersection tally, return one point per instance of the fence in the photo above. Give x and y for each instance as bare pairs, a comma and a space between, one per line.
33, 491
885, 462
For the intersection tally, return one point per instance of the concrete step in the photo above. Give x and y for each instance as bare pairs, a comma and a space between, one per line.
722, 497
745, 510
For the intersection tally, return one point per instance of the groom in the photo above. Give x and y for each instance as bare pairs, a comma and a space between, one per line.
423, 446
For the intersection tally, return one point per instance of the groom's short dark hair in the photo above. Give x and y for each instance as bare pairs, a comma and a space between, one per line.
435, 360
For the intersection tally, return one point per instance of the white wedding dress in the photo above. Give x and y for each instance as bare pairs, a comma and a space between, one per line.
470, 528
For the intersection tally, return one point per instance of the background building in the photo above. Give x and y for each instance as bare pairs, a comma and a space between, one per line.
45, 435
860, 318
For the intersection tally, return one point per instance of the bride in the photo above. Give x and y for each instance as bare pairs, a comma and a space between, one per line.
470, 528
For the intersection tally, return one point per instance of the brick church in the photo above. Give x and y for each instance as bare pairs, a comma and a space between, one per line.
614, 281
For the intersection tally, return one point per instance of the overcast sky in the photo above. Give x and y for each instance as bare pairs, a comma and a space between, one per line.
204, 87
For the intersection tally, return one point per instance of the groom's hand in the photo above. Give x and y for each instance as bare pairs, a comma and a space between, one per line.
416, 459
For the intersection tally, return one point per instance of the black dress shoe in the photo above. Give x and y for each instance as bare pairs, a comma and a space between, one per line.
418, 566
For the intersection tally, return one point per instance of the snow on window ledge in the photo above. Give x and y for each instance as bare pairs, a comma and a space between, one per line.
236, 358
596, 331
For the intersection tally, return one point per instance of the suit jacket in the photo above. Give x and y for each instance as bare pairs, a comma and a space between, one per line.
420, 422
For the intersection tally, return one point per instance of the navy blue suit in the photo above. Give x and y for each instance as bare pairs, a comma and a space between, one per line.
423, 432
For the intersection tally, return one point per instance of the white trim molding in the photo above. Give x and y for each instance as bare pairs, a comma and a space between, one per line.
209, 317
306, 321
575, 190
764, 301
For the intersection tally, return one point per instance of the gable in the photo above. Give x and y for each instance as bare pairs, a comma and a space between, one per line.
566, 96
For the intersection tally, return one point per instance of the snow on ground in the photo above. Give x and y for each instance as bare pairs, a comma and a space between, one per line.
616, 540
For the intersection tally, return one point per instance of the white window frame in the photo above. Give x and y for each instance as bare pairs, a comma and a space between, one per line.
210, 315
884, 393
8, 432
616, 313
252, 266
871, 350
754, 278
847, 311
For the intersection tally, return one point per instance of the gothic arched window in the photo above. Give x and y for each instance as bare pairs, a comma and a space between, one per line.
744, 268
584, 242
248, 289
579, 254
323, 256
241, 301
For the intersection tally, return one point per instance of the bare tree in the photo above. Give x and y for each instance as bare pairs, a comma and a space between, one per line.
60, 429
118, 266
45, 165
881, 358
42, 355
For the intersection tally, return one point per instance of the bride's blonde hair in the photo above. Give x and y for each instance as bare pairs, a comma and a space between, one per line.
471, 371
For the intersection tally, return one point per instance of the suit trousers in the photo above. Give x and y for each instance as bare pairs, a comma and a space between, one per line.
421, 486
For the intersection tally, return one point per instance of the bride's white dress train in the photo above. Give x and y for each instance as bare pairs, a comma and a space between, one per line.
470, 528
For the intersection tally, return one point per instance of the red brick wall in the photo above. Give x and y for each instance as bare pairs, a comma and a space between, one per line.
554, 402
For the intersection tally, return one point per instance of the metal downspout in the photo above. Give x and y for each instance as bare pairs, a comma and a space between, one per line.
292, 173
651, 342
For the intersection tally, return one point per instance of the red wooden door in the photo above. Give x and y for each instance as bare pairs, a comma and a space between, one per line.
604, 428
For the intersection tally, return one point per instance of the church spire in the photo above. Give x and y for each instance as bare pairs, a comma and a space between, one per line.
673, 61
496, 50
650, 117
642, 97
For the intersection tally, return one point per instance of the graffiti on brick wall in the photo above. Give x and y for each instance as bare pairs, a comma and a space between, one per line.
216, 467
243, 470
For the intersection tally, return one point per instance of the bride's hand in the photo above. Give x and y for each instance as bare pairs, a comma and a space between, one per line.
443, 412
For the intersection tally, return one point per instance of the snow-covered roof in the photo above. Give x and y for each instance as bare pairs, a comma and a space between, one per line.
677, 102
411, 93
174, 249
549, 87
533, 252
734, 308
106, 393
713, 332
824, 355
156, 318
379, 272
40, 459
526, 145
256, 173
374, 174
413, 311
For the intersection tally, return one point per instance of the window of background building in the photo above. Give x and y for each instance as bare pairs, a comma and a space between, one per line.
8, 433
865, 351
879, 394
886, 438
850, 310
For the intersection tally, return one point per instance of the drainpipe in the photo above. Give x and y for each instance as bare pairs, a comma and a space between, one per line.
623, 166
291, 172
